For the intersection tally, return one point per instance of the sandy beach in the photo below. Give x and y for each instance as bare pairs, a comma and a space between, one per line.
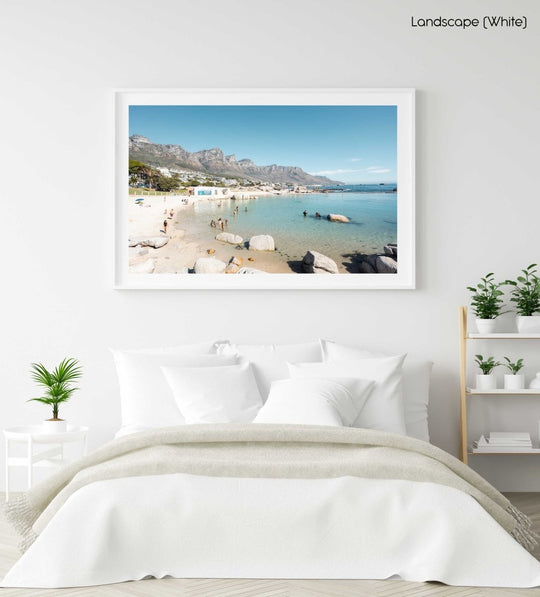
187, 243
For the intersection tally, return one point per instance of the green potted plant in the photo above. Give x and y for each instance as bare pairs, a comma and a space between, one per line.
486, 303
486, 380
525, 295
58, 387
514, 380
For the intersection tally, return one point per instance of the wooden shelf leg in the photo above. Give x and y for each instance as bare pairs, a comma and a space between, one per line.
463, 384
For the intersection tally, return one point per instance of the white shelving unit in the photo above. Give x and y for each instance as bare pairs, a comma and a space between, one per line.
466, 393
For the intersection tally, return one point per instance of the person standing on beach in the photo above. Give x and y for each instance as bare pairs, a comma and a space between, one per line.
165, 226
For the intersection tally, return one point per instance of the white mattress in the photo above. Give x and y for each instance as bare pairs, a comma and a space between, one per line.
195, 526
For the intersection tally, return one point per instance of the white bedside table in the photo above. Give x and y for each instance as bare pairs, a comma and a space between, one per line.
33, 435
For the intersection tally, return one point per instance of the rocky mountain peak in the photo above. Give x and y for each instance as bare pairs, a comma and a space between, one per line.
139, 139
213, 161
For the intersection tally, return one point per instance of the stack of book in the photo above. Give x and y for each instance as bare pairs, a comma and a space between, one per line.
504, 441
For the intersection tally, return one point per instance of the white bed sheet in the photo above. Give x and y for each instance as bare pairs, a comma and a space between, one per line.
195, 526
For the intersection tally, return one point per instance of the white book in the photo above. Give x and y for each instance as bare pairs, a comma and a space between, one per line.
515, 444
482, 443
503, 438
522, 444
509, 435
504, 450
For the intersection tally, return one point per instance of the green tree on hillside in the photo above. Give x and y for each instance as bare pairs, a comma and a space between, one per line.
167, 183
143, 174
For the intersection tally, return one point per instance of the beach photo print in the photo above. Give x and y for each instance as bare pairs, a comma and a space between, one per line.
263, 189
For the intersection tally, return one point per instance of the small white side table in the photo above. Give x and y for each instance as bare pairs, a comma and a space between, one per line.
33, 435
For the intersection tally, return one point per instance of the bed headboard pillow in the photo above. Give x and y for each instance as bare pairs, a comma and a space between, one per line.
269, 361
145, 396
416, 382
383, 409
226, 394
315, 401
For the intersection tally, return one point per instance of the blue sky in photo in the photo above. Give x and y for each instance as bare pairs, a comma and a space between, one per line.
352, 144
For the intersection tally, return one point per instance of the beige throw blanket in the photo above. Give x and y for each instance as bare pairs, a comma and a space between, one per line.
277, 451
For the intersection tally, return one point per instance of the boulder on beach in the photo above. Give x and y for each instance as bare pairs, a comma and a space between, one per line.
391, 250
250, 270
146, 267
365, 268
317, 263
386, 265
337, 218
262, 242
149, 241
209, 265
229, 237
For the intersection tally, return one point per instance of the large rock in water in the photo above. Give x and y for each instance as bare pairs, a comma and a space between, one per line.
391, 250
365, 268
337, 218
262, 242
149, 241
317, 263
229, 237
209, 265
386, 265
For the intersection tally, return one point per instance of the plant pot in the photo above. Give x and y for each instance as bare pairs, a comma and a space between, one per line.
514, 382
535, 382
486, 326
54, 426
528, 324
486, 382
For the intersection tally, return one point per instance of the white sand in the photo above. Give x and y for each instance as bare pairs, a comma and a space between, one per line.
186, 246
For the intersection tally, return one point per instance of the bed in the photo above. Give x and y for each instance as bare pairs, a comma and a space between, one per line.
298, 461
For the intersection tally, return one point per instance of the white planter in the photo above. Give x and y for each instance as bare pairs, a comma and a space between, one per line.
486, 382
514, 382
50, 426
486, 326
535, 382
529, 324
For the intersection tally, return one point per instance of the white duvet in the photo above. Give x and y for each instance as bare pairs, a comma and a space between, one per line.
185, 526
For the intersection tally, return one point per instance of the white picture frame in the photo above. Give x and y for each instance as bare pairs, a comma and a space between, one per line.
402, 99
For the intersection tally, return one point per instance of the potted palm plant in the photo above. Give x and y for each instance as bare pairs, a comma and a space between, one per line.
514, 380
486, 380
526, 296
58, 388
486, 303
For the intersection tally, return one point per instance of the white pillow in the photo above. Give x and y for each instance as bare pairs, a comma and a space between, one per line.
224, 395
416, 382
384, 407
146, 399
269, 361
316, 401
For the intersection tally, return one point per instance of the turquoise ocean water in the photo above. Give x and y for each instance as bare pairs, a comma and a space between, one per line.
372, 210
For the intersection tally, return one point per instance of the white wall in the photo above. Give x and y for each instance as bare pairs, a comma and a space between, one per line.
478, 142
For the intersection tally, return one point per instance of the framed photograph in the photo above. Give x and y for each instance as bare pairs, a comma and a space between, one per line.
264, 189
